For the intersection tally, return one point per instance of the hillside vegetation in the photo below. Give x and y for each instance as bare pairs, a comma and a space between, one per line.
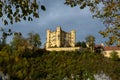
42, 65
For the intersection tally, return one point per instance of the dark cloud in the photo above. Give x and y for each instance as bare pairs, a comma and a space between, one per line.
58, 14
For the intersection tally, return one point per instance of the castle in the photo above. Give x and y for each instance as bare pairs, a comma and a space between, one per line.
60, 39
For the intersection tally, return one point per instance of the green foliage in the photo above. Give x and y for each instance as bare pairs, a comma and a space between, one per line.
18, 41
5, 34
16, 10
78, 44
114, 56
7, 49
34, 39
81, 44
108, 11
43, 65
43, 7
90, 41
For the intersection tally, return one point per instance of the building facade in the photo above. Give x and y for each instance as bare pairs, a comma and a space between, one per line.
60, 38
108, 50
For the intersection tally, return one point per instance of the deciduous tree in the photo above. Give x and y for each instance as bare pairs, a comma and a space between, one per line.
108, 11
5, 34
81, 44
17, 41
34, 39
90, 41
16, 10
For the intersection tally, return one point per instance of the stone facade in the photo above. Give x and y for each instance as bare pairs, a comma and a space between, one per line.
60, 38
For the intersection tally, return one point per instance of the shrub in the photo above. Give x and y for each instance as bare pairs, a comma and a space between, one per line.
114, 56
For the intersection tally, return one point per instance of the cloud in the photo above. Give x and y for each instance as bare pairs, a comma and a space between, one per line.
58, 14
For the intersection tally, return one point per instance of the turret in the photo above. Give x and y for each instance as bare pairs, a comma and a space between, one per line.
58, 37
73, 38
48, 39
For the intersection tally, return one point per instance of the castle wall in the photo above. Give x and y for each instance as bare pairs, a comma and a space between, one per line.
64, 49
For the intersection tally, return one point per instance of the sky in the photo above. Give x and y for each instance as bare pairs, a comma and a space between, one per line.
58, 14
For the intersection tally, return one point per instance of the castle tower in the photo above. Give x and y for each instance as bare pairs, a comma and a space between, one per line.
73, 38
58, 36
48, 39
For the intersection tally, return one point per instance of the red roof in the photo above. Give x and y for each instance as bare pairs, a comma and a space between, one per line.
106, 48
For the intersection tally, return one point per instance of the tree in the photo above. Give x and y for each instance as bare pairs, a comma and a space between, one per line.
114, 56
5, 34
16, 10
81, 44
17, 41
78, 44
34, 39
90, 41
108, 11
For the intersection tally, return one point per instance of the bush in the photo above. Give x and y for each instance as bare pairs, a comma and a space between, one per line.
114, 56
